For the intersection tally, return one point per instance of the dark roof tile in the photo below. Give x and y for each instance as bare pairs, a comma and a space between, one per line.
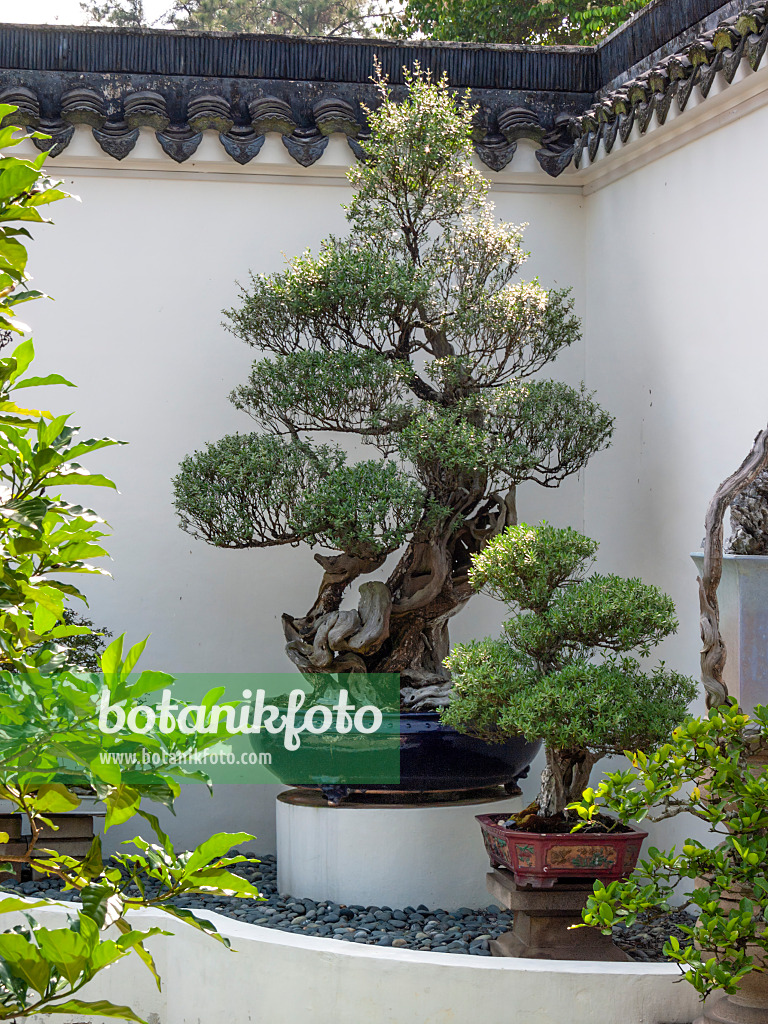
184, 83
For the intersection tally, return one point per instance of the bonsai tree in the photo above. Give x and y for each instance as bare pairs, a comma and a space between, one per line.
541, 678
413, 335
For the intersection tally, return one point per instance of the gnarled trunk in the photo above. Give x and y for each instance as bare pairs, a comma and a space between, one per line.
563, 780
401, 625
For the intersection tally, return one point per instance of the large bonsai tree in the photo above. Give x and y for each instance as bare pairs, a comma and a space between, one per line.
413, 334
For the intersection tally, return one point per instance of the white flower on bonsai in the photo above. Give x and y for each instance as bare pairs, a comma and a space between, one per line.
561, 671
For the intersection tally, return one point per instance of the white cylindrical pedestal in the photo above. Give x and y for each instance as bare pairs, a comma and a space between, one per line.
392, 855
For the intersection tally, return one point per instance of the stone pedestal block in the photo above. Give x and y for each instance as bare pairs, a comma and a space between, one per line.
542, 919
385, 854
747, 1006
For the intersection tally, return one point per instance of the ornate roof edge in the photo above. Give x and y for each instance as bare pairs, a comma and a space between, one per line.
651, 94
343, 59
663, 23
172, 53
242, 112
180, 84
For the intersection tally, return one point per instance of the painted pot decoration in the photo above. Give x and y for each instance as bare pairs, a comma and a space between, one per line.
539, 859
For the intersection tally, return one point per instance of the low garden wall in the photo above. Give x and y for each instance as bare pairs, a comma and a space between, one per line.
280, 978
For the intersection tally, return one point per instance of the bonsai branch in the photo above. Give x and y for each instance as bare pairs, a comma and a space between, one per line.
714, 652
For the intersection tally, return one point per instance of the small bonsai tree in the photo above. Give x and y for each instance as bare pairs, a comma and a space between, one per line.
413, 335
540, 678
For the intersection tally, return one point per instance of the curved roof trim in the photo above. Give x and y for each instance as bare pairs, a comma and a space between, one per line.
181, 84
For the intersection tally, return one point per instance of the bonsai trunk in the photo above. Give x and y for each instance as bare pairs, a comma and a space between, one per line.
563, 780
401, 625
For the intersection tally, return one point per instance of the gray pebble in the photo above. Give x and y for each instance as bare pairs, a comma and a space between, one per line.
463, 931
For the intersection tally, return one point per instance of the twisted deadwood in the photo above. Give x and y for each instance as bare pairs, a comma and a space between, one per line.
714, 652
749, 519
400, 626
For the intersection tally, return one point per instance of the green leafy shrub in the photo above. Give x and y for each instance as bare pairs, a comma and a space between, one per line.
704, 770
540, 678
51, 746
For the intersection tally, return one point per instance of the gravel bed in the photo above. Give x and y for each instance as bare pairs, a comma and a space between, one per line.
465, 930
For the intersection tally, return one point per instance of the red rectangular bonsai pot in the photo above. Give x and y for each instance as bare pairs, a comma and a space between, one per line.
539, 859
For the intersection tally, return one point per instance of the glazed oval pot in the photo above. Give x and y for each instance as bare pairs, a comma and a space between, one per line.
433, 757
540, 859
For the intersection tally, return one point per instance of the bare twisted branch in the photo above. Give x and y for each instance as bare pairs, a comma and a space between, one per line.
714, 651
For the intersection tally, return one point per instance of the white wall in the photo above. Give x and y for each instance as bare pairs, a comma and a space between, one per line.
276, 977
676, 275
676, 279
140, 271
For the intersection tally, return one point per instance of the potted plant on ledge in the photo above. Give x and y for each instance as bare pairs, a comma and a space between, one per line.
562, 671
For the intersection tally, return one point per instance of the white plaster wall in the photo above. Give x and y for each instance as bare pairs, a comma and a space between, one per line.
676, 274
140, 270
676, 278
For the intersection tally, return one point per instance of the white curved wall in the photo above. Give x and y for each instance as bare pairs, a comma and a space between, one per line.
274, 977
676, 272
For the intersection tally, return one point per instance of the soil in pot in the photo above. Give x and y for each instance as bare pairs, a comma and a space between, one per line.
530, 820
